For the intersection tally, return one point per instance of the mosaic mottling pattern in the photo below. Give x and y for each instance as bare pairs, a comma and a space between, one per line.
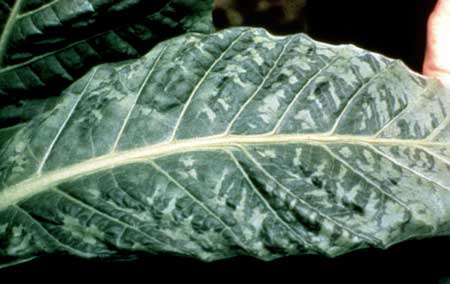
232, 143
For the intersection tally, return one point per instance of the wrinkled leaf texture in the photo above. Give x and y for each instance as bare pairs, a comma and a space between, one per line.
234, 143
47, 44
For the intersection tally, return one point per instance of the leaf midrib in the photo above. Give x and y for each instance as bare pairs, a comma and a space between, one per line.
40, 183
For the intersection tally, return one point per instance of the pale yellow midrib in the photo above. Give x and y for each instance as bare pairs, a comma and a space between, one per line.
37, 184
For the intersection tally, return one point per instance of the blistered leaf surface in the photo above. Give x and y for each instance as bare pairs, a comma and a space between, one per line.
233, 143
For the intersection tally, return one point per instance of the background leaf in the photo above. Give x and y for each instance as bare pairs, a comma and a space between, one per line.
232, 143
45, 45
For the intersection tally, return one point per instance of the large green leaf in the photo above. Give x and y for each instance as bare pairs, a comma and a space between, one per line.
232, 143
46, 44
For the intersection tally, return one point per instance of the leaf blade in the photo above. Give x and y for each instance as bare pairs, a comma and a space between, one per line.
45, 46
342, 171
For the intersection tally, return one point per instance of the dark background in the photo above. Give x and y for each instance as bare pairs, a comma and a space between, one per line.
397, 31
424, 261
396, 28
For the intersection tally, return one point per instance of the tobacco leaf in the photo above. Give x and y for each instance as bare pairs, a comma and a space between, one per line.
234, 143
47, 44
